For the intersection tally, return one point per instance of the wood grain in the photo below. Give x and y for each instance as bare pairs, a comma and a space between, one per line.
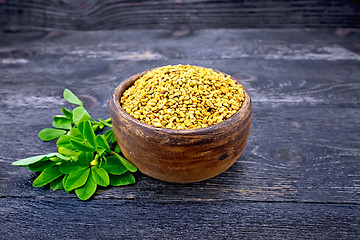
298, 177
286, 159
180, 15
112, 218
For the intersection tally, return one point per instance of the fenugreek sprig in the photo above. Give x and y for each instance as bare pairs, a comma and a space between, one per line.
84, 159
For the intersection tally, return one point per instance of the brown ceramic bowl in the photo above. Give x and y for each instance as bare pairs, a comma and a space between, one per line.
180, 156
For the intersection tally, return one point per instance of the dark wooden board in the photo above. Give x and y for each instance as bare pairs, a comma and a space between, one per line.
289, 157
298, 177
116, 219
182, 15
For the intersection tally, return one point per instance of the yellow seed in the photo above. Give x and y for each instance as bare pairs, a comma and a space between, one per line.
187, 123
183, 97
182, 114
136, 115
157, 124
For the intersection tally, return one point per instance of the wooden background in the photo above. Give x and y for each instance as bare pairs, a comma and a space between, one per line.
18, 15
299, 175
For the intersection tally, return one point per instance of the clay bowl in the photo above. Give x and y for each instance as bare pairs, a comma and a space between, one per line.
180, 156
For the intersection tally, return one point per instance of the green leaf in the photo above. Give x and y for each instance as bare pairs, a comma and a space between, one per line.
100, 151
64, 141
80, 114
100, 176
77, 179
27, 161
75, 133
60, 121
120, 180
70, 167
57, 184
85, 158
89, 133
81, 146
47, 176
67, 113
72, 98
103, 122
66, 126
101, 142
126, 163
96, 125
67, 152
40, 166
113, 139
86, 191
80, 127
30, 160
64, 181
61, 156
114, 166
109, 136
117, 149
48, 134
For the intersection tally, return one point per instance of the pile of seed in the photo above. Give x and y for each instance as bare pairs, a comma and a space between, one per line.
183, 97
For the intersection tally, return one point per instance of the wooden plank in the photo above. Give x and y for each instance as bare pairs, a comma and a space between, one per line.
300, 103
298, 177
295, 44
289, 66
95, 15
64, 218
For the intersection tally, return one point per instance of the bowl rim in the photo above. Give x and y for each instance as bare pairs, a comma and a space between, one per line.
121, 88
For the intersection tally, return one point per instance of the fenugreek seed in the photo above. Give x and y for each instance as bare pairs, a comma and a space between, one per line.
187, 123
182, 114
183, 97
157, 124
